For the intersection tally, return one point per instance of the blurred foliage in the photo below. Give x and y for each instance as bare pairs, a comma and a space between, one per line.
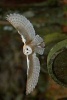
49, 19
58, 71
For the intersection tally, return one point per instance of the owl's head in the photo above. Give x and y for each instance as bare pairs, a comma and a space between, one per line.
27, 50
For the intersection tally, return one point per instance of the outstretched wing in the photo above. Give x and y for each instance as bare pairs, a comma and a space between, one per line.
23, 26
39, 44
33, 73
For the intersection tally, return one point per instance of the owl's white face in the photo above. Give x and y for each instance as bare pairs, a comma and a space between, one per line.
27, 50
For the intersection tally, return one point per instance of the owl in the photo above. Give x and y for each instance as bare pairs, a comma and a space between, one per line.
32, 44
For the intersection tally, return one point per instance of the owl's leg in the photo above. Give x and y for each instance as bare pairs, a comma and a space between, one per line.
27, 64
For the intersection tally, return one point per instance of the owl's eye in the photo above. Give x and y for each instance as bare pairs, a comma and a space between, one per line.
27, 48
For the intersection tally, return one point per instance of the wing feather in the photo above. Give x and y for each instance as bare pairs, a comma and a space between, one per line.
39, 50
33, 74
23, 25
37, 40
39, 44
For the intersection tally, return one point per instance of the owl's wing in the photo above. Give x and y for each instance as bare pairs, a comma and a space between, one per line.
39, 44
33, 73
23, 26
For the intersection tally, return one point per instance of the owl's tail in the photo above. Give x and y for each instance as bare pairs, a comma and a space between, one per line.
39, 44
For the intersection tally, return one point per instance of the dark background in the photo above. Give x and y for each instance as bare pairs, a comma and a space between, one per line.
49, 18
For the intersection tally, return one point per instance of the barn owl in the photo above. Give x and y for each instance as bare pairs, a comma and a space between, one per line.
32, 44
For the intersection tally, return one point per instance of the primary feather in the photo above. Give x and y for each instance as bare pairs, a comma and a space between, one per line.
33, 74
23, 25
39, 44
